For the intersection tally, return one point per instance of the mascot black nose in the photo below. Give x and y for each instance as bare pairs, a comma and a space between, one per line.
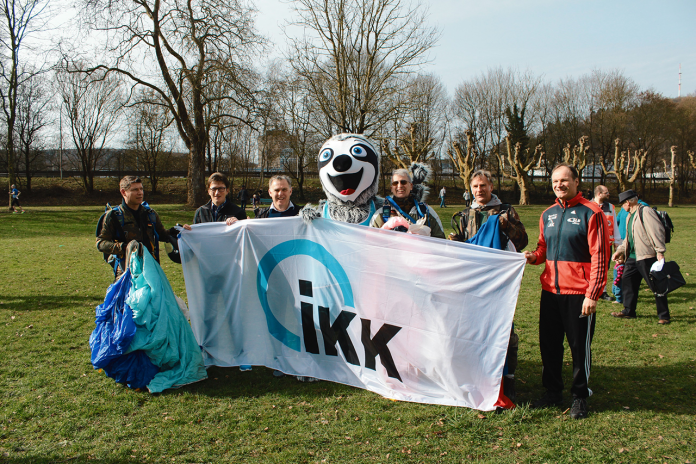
342, 163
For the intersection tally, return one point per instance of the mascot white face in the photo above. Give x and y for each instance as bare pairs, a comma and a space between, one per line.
348, 165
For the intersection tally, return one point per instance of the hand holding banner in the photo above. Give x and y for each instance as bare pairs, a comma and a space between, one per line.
411, 318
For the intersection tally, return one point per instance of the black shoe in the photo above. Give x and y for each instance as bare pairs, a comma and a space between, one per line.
605, 296
509, 388
622, 315
549, 400
579, 409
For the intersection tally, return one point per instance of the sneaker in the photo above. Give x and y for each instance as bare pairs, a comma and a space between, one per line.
606, 297
278, 374
579, 409
549, 400
245, 368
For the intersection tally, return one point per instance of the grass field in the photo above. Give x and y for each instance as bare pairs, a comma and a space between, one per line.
55, 408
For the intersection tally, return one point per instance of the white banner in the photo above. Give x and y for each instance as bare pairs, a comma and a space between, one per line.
409, 317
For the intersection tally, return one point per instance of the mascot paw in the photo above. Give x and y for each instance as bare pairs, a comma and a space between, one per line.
309, 213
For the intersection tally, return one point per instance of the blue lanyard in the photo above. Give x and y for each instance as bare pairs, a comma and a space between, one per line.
400, 211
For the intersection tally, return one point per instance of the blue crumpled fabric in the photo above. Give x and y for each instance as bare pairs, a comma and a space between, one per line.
112, 337
489, 235
162, 331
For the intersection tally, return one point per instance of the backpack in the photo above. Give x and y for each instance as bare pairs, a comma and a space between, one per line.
113, 260
666, 223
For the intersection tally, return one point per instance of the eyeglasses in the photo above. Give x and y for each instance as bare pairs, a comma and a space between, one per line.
217, 189
402, 182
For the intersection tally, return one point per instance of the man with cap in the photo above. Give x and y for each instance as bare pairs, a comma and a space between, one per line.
644, 245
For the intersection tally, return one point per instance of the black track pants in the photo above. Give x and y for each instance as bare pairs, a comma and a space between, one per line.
634, 272
559, 317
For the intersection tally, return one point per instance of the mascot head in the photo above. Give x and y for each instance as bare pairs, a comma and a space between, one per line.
349, 168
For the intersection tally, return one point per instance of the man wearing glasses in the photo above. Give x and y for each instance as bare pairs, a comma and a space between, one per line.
219, 208
132, 220
404, 203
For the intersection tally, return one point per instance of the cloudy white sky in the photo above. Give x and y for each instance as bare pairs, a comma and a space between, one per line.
646, 39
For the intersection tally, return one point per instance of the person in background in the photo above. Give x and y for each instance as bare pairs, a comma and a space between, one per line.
621, 218
256, 200
644, 245
443, 192
243, 197
601, 197
574, 245
15, 200
467, 197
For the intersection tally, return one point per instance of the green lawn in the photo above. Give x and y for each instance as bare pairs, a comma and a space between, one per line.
55, 408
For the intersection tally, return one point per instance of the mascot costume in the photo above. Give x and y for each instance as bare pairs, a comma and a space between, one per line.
349, 174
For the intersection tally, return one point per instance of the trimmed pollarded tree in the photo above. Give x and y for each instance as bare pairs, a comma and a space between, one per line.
622, 165
691, 159
463, 160
671, 172
410, 149
577, 156
521, 162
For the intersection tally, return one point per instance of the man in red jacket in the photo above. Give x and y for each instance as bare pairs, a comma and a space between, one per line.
574, 244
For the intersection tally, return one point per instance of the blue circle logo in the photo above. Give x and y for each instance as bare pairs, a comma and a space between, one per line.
286, 250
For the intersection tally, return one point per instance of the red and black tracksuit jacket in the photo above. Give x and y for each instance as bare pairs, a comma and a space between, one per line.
574, 243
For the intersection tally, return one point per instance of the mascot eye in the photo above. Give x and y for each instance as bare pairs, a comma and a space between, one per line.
325, 155
358, 151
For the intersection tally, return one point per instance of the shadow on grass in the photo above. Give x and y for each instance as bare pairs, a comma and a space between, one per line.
664, 389
45, 302
660, 389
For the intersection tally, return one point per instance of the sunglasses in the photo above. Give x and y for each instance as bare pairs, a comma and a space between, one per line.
217, 189
402, 182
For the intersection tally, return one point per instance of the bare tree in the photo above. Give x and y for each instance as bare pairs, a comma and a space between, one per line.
410, 148
299, 113
671, 172
521, 162
21, 19
480, 104
356, 54
622, 165
92, 107
189, 45
464, 160
33, 103
418, 126
576, 156
148, 139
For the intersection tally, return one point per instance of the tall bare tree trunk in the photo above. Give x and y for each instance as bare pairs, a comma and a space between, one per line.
671, 172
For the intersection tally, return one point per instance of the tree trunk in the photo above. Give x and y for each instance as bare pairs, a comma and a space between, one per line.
196, 176
524, 185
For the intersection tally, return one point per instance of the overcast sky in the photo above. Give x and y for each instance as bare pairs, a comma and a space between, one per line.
646, 39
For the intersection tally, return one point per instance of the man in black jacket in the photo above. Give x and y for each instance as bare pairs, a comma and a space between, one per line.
132, 220
219, 208
280, 190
